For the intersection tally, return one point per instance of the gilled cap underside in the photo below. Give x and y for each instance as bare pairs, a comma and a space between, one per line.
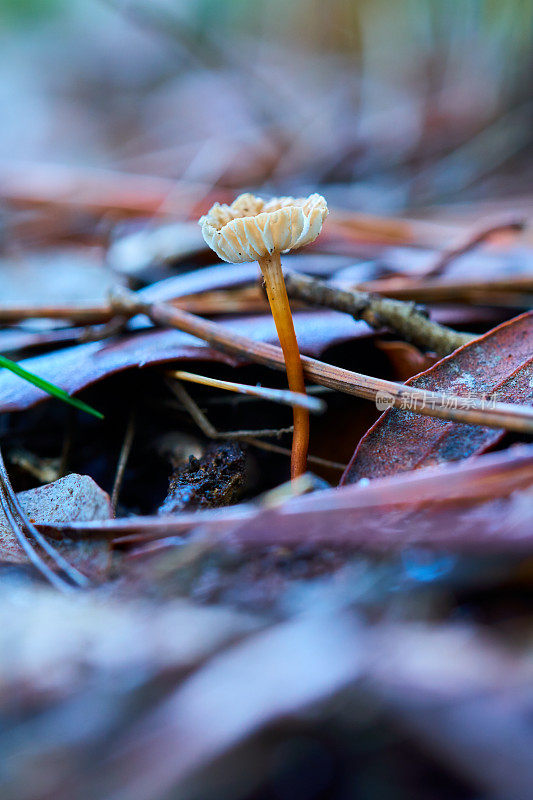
251, 228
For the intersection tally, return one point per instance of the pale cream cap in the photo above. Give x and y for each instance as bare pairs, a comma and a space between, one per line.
251, 227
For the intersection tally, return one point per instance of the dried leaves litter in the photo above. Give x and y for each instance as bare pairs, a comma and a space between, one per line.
211, 585
176, 618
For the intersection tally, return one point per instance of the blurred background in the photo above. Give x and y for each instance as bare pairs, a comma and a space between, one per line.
392, 105
152, 109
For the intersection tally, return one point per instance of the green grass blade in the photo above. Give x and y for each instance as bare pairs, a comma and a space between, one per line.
48, 387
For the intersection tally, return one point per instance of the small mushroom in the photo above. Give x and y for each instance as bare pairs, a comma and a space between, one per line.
252, 229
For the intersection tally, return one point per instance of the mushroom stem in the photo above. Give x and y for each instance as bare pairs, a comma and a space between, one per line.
281, 311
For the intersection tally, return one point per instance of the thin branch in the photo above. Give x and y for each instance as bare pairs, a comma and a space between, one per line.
243, 398
80, 315
473, 411
99, 190
284, 451
103, 321
125, 451
403, 318
283, 396
95, 333
487, 292
473, 241
207, 427
33, 556
250, 437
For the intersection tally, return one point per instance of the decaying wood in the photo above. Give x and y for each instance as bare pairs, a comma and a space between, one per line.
401, 317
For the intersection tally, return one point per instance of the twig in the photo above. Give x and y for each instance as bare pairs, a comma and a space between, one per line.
33, 556
45, 470
103, 322
401, 317
244, 398
284, 451
473, 241
434, 290
207, 427
95, 333
512, 417
250, 437
283, 396
80, 315
125, 451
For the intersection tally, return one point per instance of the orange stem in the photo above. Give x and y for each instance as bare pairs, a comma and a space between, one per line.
281, 311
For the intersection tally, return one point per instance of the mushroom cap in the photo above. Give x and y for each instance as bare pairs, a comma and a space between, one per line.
251, 227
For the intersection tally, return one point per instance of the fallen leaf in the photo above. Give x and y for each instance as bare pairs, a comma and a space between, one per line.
405, 359
13, 340
429, 679
75, 368
479, 505
460, 509
70, 499
498, 364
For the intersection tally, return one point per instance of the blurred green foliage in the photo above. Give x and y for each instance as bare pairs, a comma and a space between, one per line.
334, 23
16, 12
331, 24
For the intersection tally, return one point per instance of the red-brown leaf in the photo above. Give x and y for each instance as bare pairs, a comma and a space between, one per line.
497, 364
74, 368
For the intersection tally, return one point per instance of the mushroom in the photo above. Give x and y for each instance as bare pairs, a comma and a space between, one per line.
252, 229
